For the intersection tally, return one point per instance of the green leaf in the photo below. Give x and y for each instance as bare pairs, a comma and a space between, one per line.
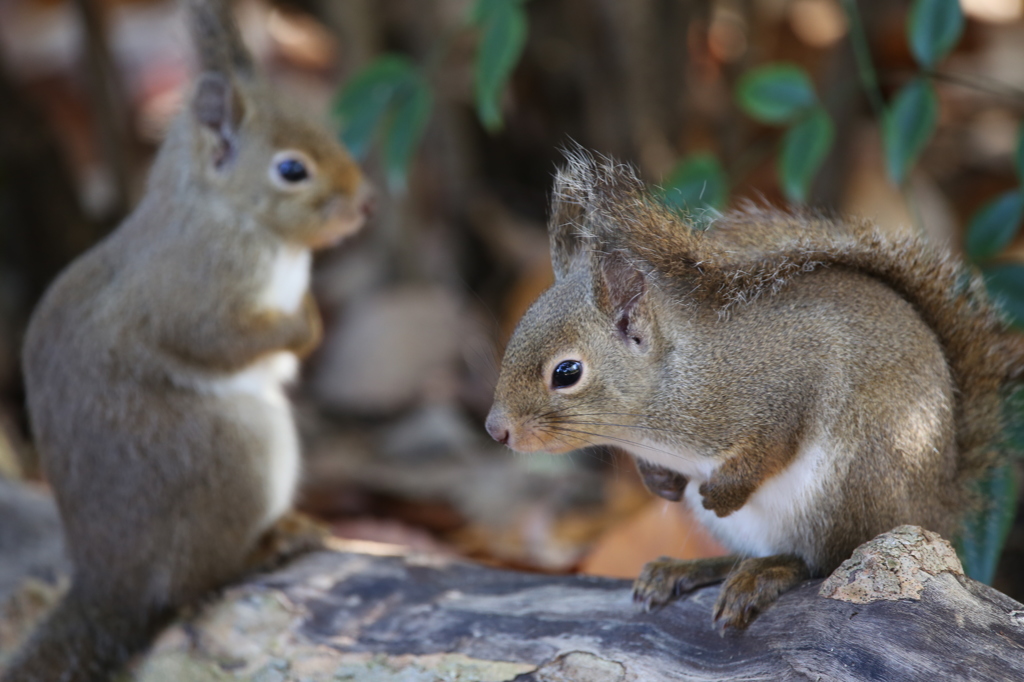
933, 28
696, 182
908, 125
1020, 153
985, 530
481, 10
776, 93
404, 128
1014, 414
364, 101
501, 43
803, 150
1005, 284
992, 227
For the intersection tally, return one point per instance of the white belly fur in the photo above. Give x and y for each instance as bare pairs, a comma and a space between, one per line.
264, 380
764, 525
289, 279
271, 417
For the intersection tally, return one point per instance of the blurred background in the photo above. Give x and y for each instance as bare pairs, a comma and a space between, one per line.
458, 110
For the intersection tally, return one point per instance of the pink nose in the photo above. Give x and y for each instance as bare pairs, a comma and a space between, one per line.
496, 427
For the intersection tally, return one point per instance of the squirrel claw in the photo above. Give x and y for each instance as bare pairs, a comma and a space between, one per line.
656, 585
665, 579
754, 586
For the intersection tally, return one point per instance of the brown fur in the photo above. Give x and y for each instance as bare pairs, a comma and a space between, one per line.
753, 253
165, 472
736, 354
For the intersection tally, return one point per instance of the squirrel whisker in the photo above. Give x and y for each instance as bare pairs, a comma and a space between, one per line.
624, 441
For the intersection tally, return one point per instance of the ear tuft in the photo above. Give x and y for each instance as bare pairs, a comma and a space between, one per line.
217, 39
566, 226
595, 200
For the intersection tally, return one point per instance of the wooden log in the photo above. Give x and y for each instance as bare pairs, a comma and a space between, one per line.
899, 609
351, 616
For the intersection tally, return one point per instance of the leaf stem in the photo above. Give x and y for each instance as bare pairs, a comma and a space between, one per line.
978, 83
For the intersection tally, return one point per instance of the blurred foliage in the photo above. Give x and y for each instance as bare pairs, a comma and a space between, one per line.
777, 93
992, 227
391, 99
804, 148
908, 125
697, 182
502, 25
986, 530
783, 93
934, 27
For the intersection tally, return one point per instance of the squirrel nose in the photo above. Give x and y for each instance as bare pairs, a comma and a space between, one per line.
496, 427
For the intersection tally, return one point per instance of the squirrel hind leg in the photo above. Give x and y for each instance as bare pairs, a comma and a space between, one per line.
666, 579
754, 585
291, 535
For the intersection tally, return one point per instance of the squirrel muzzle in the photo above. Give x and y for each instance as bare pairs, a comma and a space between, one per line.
523, 436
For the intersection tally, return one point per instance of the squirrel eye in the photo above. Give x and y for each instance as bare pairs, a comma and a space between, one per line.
567, 373
292, 170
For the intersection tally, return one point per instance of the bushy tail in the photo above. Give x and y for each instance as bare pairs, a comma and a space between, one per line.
81, 641
984, 354
754, 252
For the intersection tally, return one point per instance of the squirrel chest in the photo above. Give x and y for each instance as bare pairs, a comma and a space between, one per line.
769, 521
286, 278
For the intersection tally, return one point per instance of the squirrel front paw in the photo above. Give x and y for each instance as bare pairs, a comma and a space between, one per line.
666, 579
723, 496
754, 586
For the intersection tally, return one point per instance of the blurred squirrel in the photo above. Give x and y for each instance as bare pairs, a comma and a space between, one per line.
803, 384
154, 364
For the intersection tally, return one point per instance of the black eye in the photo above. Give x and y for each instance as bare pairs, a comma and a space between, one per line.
567, 373
292, 170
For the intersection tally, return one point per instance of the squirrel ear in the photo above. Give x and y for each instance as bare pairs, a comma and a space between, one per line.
622, 286
218, 107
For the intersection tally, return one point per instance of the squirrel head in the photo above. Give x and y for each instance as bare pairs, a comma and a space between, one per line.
585, 357
254, 156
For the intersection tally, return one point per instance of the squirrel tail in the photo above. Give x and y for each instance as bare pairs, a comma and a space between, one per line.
984, 354
84, 641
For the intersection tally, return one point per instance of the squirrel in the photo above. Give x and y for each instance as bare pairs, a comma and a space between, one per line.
154, 364
801, 383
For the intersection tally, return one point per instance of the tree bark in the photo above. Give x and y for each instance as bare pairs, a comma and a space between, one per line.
348, 616
899, 609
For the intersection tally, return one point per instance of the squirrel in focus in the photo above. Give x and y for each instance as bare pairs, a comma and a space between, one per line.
802, 384
154, 364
